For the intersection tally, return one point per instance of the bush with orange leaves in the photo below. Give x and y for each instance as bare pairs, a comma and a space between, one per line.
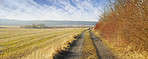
125, 28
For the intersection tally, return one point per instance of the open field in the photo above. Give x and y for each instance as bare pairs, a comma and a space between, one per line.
34, 43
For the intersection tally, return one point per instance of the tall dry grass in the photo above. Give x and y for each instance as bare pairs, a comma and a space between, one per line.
124, 26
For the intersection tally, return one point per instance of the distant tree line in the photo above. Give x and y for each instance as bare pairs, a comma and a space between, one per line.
37, 26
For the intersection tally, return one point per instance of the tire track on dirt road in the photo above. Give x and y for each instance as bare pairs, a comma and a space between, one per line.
102, 50
75, 51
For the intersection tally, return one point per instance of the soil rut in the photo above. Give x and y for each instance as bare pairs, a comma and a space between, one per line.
75, 51
102, 50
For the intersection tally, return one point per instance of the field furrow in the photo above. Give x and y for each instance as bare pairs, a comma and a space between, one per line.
18, 45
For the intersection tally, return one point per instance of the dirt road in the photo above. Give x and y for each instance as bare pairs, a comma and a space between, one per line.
75, 51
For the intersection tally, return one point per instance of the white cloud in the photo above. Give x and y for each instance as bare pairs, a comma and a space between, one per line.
30, 10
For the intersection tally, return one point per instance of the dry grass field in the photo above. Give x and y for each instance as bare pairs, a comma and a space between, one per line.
34, 43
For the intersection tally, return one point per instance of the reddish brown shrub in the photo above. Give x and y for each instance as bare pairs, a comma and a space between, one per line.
127, 20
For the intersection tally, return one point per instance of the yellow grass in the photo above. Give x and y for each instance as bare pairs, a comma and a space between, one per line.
10, 26
89, 50
34, 43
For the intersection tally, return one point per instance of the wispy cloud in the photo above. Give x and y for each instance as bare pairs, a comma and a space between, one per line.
49, 10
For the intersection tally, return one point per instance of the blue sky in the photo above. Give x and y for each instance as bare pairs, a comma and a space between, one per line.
72, 10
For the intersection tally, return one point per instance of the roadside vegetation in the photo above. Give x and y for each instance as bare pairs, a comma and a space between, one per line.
89, 50
124, 28
34, 43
